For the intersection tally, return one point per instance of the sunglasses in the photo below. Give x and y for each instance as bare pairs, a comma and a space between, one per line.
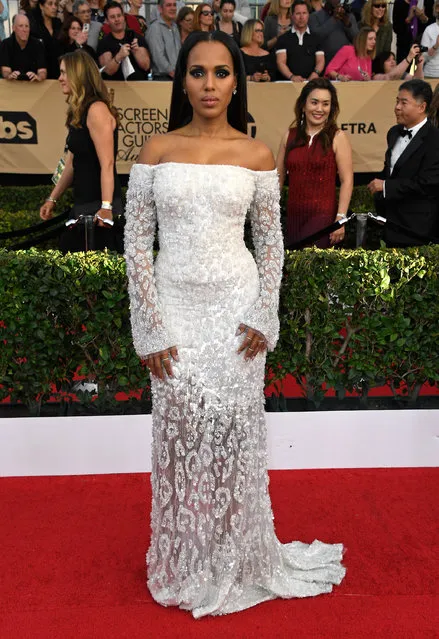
259, 30
207, 13
380, 6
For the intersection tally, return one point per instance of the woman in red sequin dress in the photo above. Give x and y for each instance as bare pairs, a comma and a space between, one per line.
312, 152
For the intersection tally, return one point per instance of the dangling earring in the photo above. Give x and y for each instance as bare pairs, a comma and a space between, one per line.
302, 119
235, 91
184, 91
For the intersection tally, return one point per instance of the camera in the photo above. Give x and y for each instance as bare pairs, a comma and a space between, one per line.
345, 5
422, 49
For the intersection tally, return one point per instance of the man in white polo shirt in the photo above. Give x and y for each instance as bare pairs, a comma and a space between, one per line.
430, 39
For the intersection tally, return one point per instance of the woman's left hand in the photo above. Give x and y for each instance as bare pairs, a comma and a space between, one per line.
105, 214
265, 77
254, 342
337, 236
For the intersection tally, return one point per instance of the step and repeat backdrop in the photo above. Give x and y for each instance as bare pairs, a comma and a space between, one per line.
32, 120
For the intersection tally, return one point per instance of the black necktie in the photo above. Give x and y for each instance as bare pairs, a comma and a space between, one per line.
405, 132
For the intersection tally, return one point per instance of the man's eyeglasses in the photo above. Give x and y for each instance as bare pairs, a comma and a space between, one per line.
207, 13
84, 12
380, 6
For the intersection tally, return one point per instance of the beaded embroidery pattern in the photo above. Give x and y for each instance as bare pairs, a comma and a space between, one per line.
213, 546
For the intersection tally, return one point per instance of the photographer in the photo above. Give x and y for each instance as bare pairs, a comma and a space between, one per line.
122, 52
335, 26
409, 22
21, 56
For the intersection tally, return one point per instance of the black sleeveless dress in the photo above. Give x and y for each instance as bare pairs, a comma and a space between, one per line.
87, 196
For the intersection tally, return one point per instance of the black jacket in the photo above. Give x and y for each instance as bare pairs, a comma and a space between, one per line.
412, 191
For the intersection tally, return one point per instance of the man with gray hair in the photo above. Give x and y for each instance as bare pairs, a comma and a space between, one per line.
163, 38
82, 10
22, 56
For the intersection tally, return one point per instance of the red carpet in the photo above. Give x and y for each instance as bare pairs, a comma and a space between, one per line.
72, 559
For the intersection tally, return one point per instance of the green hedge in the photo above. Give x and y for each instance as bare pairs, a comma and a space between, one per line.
349, 319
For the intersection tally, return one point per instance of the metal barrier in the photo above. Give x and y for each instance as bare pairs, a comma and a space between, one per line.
88, 222
362, 219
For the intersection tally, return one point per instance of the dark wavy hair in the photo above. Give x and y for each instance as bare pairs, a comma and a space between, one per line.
380, 59
63, 36
434, 108
181, 109
328, 132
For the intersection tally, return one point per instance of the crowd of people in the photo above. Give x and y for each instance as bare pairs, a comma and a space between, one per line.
291, 41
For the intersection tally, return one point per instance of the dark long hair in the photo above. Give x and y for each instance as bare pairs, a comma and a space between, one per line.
434, 108
181, 109
328, 132
380, 59
63, 35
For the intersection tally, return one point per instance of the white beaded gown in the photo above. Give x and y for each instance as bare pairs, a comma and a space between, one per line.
213, 546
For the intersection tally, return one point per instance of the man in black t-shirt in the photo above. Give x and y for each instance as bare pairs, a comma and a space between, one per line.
22, 56
298, 54
123, 53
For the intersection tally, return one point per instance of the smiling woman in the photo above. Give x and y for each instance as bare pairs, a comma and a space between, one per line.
203, 316
312, 151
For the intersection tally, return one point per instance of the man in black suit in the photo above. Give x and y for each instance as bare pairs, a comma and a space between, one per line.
409, 193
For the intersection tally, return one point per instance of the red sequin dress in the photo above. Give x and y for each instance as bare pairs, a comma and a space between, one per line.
312, 202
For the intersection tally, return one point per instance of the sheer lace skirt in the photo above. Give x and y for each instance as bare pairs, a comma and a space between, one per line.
213, 547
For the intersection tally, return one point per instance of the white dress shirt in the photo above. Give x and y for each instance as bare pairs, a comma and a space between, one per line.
400, 145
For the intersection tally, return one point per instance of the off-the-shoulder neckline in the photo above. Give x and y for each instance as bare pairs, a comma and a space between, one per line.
234, 166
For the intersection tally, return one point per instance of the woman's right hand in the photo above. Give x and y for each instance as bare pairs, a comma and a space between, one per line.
344, 78
256, 77
414, 51
159, 363
46, 211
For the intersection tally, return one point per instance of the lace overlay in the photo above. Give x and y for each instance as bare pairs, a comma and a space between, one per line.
213, 547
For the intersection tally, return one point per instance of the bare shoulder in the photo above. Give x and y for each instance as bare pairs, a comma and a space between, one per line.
153, 150
98, 112
341, 140
285, 137
258, 156
341, 135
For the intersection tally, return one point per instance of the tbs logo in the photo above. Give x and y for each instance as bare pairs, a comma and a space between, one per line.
17, 127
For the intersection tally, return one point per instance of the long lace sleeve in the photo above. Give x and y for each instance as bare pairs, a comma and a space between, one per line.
269, 250
149, 334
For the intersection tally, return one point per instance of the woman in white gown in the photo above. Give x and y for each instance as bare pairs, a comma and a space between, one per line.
203, 316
